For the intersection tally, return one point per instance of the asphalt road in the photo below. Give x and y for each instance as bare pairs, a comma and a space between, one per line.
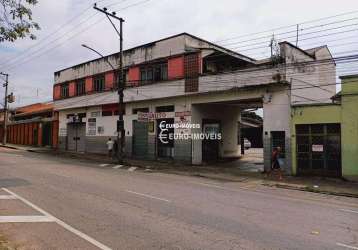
48, 202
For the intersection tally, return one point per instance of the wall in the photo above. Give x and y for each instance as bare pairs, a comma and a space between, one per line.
23, 133
277, 117
308, 80
319, 114
164, 48
350, 127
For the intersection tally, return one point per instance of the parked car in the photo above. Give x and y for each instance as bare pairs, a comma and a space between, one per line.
247, 143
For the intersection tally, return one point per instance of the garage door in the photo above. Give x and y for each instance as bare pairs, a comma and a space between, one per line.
140, 139
319, 149
76, 133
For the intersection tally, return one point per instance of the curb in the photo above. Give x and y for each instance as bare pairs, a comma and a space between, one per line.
5, 146
311, 190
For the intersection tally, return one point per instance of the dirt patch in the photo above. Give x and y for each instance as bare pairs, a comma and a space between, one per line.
5, 244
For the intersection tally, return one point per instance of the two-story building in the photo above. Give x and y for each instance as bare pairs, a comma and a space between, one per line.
196, 85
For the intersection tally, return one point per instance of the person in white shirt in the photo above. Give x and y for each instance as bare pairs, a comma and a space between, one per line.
110, 144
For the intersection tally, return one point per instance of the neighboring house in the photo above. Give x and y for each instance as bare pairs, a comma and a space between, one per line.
325, 136
33, 125
185, 79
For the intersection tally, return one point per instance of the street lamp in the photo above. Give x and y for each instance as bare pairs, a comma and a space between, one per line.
102, 56
120, 106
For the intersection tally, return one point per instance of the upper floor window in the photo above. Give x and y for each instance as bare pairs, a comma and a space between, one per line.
80, 87
156, 72
98, 83
169, 108
65, 90
116, 78
141, 110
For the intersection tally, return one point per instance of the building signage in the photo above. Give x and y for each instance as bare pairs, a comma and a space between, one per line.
317, 148
150, 116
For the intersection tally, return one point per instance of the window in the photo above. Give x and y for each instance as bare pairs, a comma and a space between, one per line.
65, 90
98, 83
142, 110
165, 108
161, 72
107, 113
80, 87
157, 72
95, 114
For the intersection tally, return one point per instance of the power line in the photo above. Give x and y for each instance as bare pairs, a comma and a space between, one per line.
289, 26
61, 27
34, 55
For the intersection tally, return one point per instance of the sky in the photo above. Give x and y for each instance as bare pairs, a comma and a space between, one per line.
67, 24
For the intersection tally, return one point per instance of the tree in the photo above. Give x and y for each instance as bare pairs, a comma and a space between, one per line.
16, 20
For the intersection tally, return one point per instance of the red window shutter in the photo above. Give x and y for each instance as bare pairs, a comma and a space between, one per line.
176, 67
109, 80
133, 76
57, 92
89, 84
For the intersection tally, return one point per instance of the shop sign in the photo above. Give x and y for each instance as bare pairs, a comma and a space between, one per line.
150, 116
317, 148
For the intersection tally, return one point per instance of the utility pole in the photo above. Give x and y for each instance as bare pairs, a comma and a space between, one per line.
120, 122
5, 106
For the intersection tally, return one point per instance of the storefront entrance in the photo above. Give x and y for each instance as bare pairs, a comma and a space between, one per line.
211, 147
140, 139
76, 134
165, 141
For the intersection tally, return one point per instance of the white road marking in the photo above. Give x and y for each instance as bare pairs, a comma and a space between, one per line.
25, 219
7, 197
118, 166
148, 196
60, 222
131, 169
209, 185
104, 165
346, 246
349, 211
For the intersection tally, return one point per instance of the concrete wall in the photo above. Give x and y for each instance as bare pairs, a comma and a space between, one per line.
350, 127
277, 116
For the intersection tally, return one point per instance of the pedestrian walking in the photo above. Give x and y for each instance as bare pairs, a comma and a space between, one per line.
110, 144
275, 163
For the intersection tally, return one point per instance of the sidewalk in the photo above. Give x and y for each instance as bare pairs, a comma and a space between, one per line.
225, 173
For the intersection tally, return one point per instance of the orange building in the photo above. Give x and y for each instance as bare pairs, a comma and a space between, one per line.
35, 125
